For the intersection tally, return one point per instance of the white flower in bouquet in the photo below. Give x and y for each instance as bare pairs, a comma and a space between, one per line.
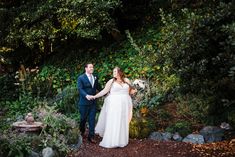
139, 83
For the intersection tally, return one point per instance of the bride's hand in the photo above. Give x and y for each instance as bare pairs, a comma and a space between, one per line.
93, 97
133, 91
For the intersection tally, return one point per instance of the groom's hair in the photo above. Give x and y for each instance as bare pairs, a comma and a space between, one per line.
86, 65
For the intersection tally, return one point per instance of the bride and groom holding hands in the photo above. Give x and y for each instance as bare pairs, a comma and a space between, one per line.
116, 112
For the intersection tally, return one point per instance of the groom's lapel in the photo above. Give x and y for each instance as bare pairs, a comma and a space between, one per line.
86, 78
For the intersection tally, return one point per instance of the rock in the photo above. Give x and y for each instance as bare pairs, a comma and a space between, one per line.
79, 141
77, 146
157, 136
166, 136
194, 138
48, 152
33, 154
177, 137
212, 133
225, 126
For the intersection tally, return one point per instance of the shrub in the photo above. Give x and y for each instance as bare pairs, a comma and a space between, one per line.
8, 89
66, 100
194, 108
198, 48
141, 127
12, 145
23, 105
182, 127
59, 131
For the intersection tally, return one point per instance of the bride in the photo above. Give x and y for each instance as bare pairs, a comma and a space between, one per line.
116, 113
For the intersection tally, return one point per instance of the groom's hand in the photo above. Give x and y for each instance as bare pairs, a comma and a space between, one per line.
88, 97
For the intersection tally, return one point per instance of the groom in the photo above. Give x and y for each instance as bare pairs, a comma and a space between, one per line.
87, 85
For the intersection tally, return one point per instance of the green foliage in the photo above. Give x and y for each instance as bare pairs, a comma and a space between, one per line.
198, 49
55, 79
26, 100
191, 51
33, 85
59, 131
66, 101
50, 82
140, 127
162, 116
36, 22
129, 57
8, 89
35, 29
194, 108
155, 100
13, 145
185, 43
182, 127
4, 124
21, 106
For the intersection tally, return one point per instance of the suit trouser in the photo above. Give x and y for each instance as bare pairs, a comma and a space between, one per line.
87, 112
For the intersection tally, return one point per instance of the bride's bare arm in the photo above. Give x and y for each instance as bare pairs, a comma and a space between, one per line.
105, 90
133, 89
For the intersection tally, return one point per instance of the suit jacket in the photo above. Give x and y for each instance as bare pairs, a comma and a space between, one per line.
85, 88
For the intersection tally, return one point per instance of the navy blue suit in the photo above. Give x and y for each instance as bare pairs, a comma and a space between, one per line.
87, 108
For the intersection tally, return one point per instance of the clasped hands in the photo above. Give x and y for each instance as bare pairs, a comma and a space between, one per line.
90, 97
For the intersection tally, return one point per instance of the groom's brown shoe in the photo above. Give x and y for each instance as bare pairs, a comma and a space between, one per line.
92, 140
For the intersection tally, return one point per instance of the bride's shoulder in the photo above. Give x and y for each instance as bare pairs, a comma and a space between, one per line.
127, 80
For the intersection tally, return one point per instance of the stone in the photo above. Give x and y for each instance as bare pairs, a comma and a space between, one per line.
48, 152
166, 136
79, 141
212, 133
78, 145
157, 136
194, 138
33, 154
225, 126
177, 137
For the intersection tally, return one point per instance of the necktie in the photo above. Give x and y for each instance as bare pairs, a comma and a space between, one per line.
91, 80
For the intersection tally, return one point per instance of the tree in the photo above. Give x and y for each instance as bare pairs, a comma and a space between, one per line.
39, 24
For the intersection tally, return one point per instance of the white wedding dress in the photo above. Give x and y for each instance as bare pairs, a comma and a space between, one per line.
114, 118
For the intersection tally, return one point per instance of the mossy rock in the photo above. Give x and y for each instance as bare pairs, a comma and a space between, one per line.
73, 135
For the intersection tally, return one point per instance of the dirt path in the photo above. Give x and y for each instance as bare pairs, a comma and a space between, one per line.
150, 148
